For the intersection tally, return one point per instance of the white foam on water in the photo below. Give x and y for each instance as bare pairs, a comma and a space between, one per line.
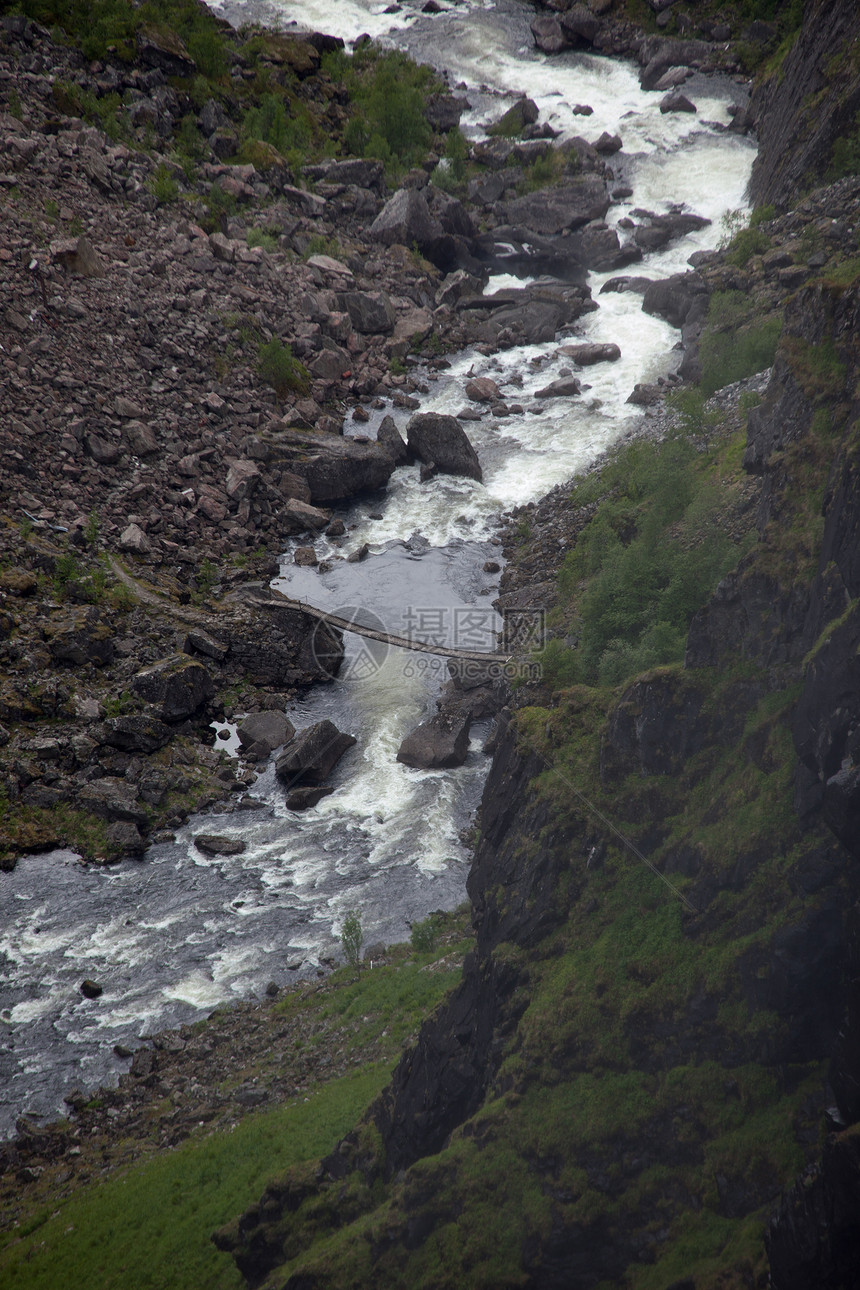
196, 988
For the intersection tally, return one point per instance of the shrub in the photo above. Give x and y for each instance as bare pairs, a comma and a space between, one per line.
424, 936
845, 154
209, 52
270, 123
259, 237
387, 92
163, 186
733, 355
280, 370
352, 939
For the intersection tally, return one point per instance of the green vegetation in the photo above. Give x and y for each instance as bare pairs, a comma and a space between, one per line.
152, 1224
163, 185
845, 157
387, 94
259, 237
424, 936
655, 549
279, 369
99, 26
352, 939
737, 342
26, 829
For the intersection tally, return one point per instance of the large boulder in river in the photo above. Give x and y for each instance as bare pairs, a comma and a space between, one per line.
571, 204
675, 298
177, 686
434, 437
658, 53
590, 352
333, 466
312, 755
390, 438
441, 742
563, 388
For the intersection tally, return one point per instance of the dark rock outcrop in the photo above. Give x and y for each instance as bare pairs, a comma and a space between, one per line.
333, 466
806, 107
177, 686
312, 754
570, 205
436, 438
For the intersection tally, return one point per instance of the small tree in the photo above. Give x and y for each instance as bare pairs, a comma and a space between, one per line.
352, 939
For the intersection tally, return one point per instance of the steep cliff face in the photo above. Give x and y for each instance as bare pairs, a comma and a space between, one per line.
807, 104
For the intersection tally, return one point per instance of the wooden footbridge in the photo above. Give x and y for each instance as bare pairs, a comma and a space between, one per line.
386, 638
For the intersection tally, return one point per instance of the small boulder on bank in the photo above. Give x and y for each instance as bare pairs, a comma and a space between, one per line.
262, 732
312, 754
439, 439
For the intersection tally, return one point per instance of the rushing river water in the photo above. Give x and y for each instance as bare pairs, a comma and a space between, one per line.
172, 936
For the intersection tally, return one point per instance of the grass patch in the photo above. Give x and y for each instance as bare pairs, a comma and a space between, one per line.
151, 1226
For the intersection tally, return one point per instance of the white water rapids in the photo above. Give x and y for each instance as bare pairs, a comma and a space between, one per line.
170, 937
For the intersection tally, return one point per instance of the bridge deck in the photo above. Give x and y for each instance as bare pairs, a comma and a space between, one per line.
389, 638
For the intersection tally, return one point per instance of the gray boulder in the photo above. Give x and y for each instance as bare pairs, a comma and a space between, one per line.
570, 204
562, 388
216, 844
676, 102
390, 438
312, 754
441, 742
547, 34
370, 313
137, 732
434, 437
265, 731
405, 218
332, 466
591, 352
580, 25
301, 799
674, 299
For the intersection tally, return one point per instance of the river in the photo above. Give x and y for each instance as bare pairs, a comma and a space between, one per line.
172, 936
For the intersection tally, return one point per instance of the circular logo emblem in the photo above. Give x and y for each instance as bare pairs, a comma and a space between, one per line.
365, 654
